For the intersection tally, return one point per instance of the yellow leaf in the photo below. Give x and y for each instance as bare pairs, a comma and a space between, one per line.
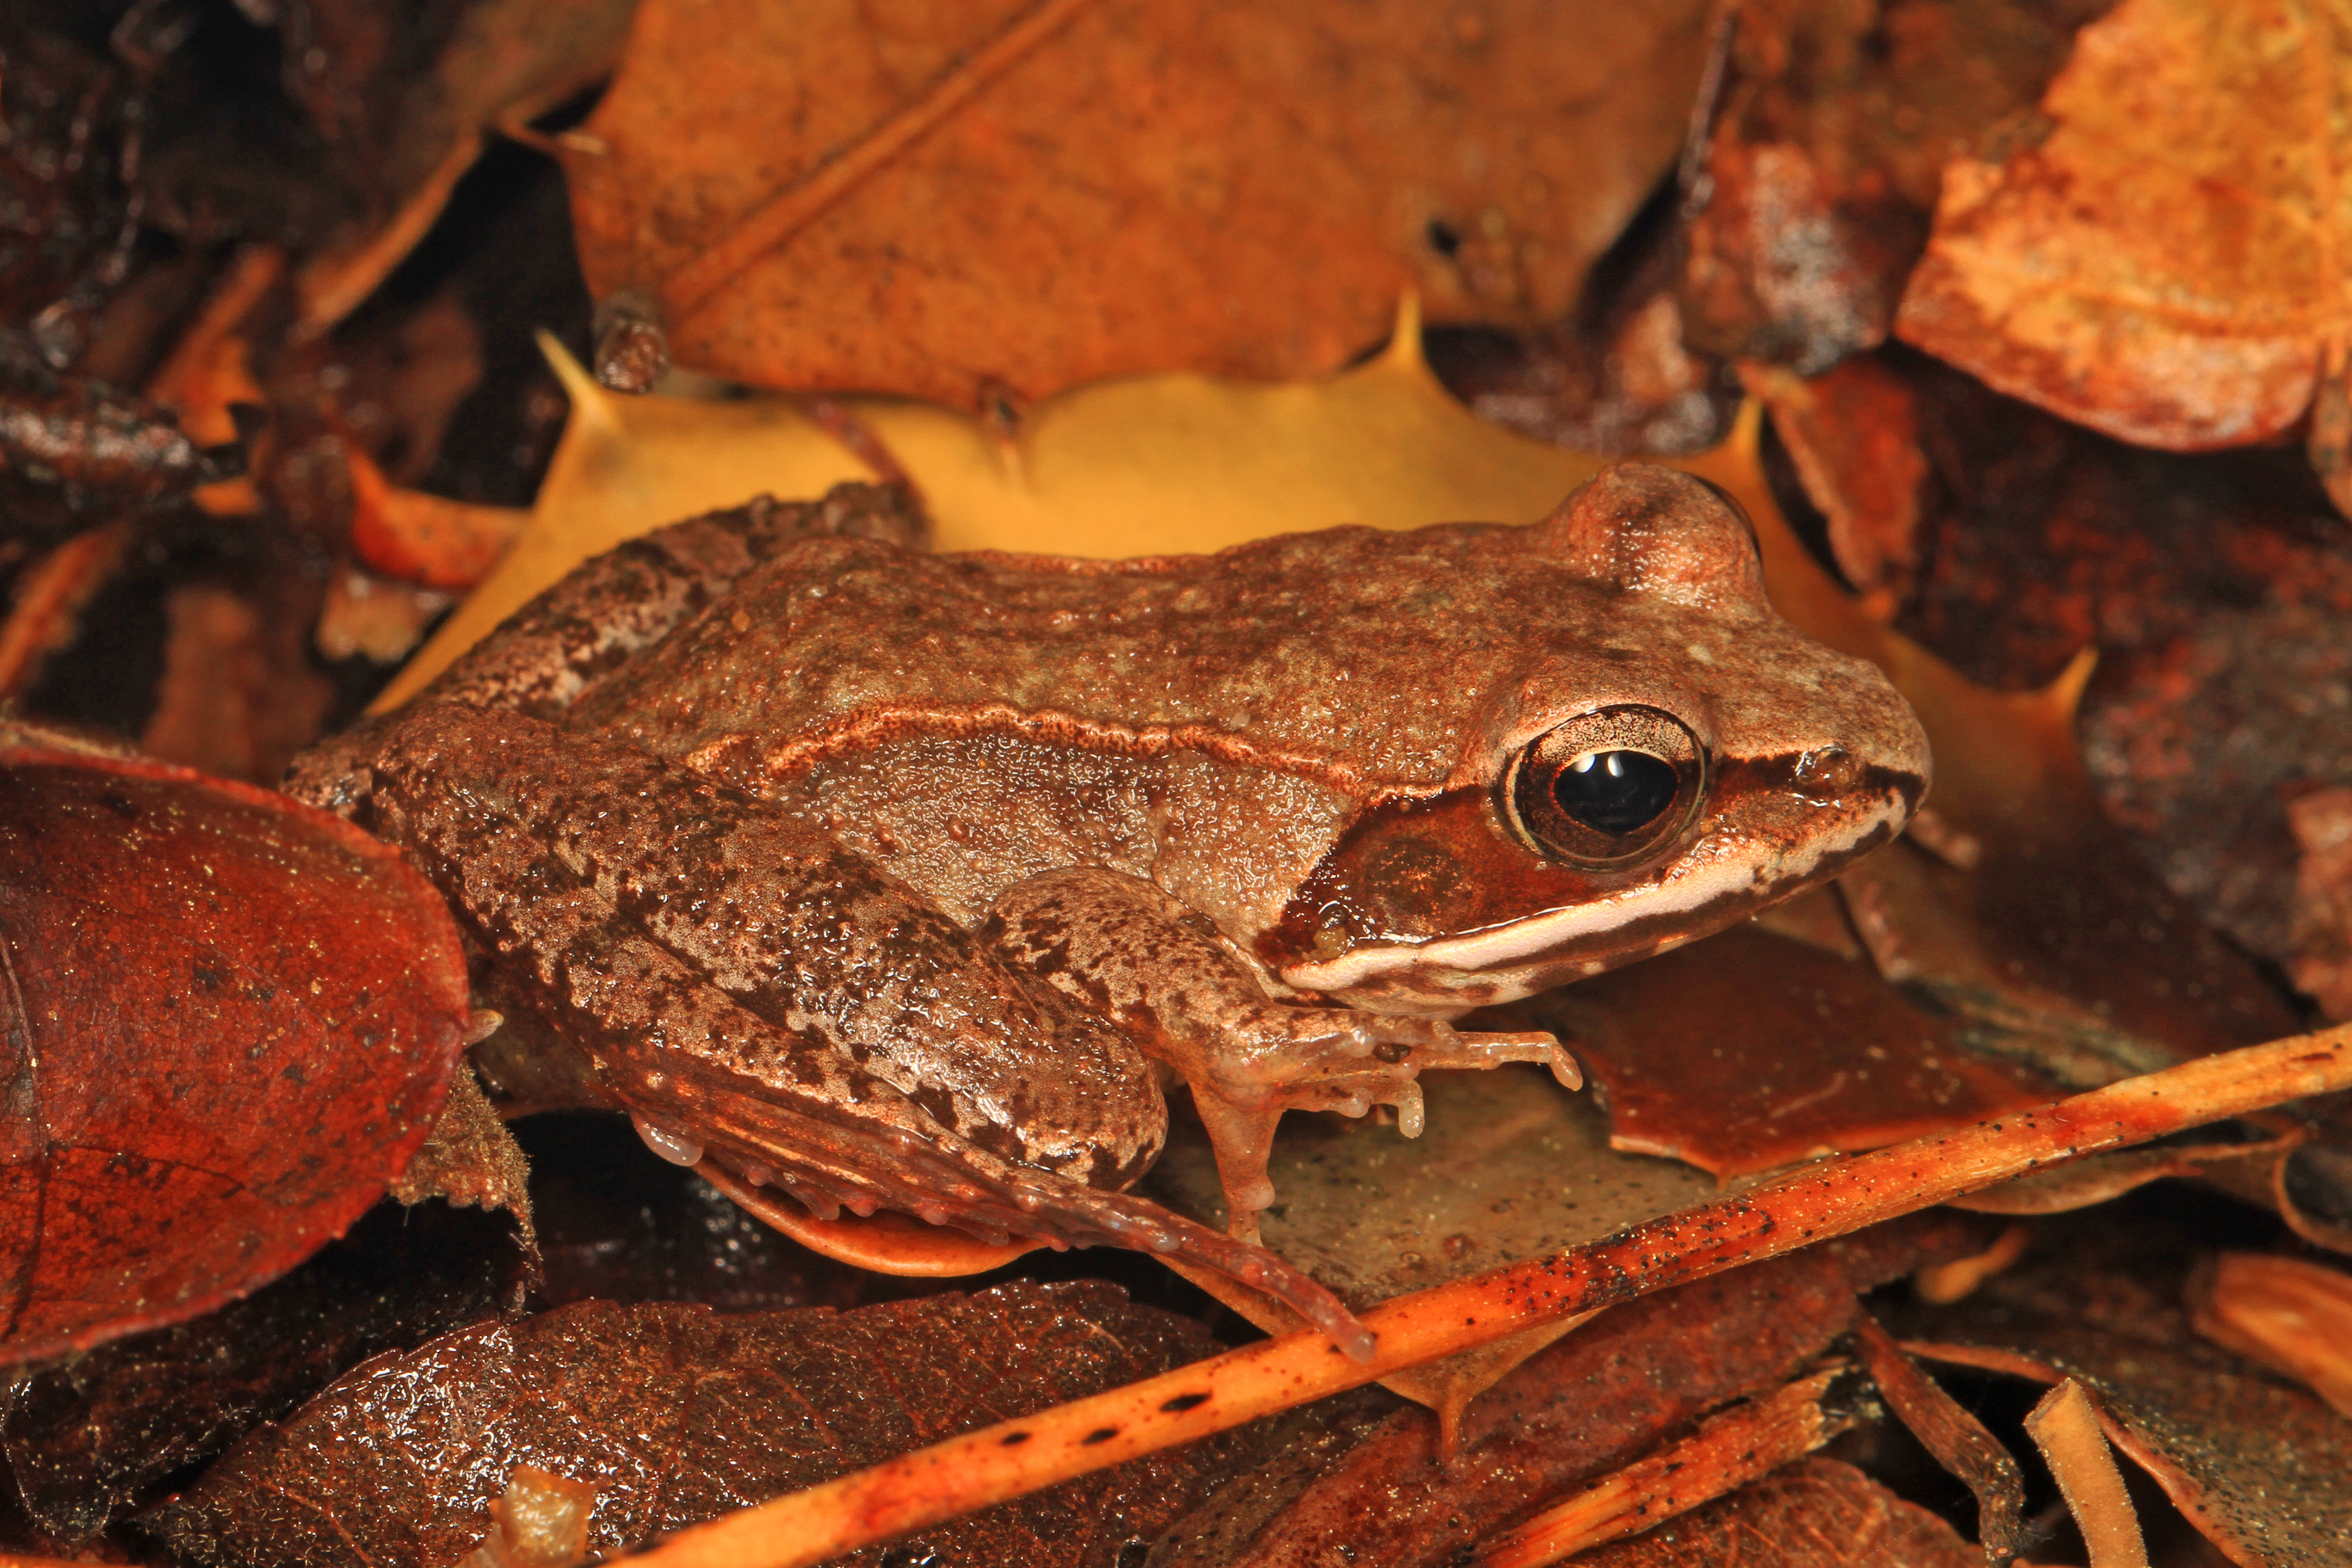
1149, 465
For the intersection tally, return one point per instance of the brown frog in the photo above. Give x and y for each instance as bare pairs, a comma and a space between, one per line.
896, 880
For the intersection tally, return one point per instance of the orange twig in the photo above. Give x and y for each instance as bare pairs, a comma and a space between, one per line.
1815, 1203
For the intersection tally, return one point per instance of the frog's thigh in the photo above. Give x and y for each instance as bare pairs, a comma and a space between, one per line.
1161, 971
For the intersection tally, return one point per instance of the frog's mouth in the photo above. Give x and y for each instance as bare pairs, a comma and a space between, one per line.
1426, 913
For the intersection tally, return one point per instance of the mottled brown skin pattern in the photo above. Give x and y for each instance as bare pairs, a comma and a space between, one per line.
889, 876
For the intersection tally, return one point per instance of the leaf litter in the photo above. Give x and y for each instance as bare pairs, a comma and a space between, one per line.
1798, 76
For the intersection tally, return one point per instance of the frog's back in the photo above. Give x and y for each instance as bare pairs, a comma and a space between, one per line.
1354, 654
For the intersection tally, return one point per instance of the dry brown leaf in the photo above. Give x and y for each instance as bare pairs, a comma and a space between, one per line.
227, 1021
2291, 1315
1750, 1052
1852, 433
940, 199
2167, 265
2261, 1467
1823, 164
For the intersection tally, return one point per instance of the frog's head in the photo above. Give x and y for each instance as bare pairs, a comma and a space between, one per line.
1669, 757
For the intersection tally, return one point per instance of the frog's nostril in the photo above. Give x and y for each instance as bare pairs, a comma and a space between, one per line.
1828, 772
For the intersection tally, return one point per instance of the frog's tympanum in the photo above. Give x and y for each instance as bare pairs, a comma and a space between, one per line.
905, 880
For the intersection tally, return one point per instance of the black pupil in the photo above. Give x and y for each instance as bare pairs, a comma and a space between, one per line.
1615, 792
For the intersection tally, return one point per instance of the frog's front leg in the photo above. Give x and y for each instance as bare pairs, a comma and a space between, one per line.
1163, 973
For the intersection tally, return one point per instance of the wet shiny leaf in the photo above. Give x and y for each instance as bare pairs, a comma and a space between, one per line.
675, 1414
228, 1021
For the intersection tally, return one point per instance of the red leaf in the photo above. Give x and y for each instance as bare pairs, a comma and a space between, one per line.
227, 1021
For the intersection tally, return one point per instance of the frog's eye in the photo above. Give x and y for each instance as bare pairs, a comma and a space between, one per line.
1608, 788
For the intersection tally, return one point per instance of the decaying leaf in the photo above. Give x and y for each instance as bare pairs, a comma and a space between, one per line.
677, 1413
470, 1161
88, 1438
1033, 194
2164, 263
230, 1020
1824, 162
2263, 1467
1817, 1513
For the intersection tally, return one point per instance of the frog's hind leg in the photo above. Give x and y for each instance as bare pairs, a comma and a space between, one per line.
1165, 975
867, 1162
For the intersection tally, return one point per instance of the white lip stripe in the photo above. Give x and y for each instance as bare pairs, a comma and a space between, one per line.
1500, 946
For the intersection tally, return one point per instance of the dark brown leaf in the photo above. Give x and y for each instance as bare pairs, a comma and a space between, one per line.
2263, 1467
86, 1436
677, 1413
411, 106
228, 1020
1852, 433
1817, 1513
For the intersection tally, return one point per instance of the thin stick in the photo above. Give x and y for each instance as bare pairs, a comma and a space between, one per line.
2066, 1429
1817, 1202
